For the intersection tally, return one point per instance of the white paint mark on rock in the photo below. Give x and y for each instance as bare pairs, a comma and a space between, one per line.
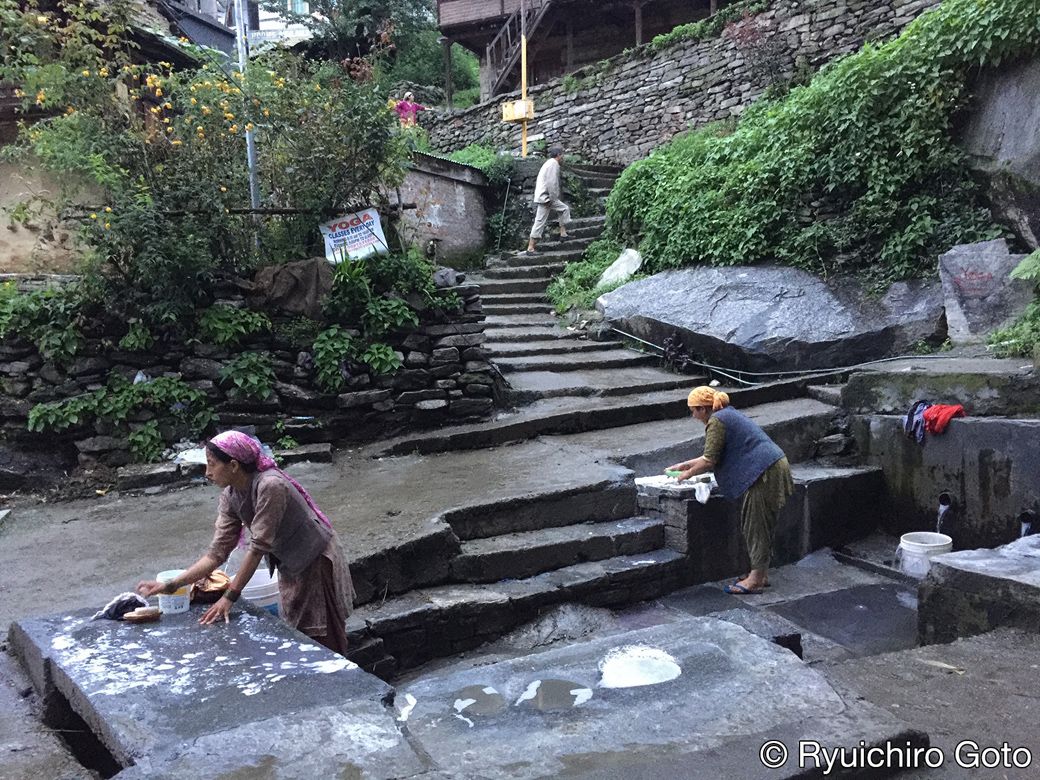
332, 665
581, 695
530, 693
634, 665
461, 704
465, 720
406, 710
490, 691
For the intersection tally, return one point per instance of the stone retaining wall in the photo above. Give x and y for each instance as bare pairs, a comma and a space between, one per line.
619, 111
446, 377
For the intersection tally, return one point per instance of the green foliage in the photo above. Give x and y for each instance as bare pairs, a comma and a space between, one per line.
711, 27
251, 374
1029, 269
577, 285
857, 172
1021, 338
284, 440
332, 348
160, 153
381, 358
386, 314
171, 401
227, 324
146, 442
497, 166
137, 339
300, 332
465, 98
48, 318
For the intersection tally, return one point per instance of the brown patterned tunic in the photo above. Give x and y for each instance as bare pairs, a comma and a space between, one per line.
319, 596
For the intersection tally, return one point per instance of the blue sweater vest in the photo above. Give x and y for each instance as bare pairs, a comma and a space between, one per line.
747, 453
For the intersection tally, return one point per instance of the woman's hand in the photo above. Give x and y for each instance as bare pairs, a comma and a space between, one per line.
218, 611
150, 587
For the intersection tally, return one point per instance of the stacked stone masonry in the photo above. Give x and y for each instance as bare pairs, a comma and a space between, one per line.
446, 377
633, 103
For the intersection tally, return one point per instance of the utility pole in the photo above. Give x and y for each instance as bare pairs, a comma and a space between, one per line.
523, 75
242, 42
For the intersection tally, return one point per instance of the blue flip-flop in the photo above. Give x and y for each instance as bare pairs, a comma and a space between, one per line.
736, 589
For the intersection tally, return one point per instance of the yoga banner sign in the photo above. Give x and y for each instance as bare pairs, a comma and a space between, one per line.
354, 236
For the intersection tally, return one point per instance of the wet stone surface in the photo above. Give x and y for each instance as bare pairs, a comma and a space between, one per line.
145, 690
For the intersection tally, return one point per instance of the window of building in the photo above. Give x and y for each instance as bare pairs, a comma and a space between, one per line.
301, 7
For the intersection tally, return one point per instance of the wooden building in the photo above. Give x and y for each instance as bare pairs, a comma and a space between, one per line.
562, 35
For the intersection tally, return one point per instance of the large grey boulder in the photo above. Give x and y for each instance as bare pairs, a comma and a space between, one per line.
773, 318
980, 295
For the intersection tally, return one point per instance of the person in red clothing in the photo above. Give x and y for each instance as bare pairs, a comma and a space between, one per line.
408, 110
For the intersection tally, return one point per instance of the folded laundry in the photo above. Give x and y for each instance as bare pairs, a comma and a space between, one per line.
938, 416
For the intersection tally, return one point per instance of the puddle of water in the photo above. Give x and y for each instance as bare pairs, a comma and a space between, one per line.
637, 665
554, 695
479, 700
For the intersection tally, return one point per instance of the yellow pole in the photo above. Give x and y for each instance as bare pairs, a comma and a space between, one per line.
523, 94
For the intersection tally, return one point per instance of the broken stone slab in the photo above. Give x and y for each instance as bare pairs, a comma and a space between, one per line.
753, 318
974, 591
306, 453
361, 398
151, 691
980, 296
548, 713
144, 475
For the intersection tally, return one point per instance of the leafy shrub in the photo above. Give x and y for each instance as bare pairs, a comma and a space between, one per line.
1020, 339
251, 374
577, 286
137, 339
497, 166
712, 27
48, 318
146, 442
227, 324
173, 403
855, 172
381, 358
332, 349
300, 332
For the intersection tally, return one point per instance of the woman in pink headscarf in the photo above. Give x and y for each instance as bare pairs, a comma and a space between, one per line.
287, 527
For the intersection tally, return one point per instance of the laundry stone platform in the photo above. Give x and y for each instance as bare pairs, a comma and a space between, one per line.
154, 693
975, 591
696, 697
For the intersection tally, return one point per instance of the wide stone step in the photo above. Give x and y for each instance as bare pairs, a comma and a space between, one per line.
556, 346
517, 308
522, 260
500, 299
549, 416
597, 220
532, 320
437, 622
529, 272
499, 335
573, 241
615, 358
527, 386
519, 555
595, 501
489, 287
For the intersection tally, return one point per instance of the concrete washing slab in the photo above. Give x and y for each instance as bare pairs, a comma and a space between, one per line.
696, 692
153, 692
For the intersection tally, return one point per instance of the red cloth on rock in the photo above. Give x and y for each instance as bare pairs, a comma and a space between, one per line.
938, 416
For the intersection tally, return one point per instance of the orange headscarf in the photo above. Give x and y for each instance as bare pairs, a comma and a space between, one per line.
706, 396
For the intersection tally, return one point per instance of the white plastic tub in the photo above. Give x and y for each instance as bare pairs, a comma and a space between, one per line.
177, 601
917, 549
262, 591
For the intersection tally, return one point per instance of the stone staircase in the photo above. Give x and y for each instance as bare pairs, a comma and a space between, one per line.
499, 564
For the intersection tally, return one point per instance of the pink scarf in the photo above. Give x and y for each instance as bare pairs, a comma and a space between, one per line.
246, 449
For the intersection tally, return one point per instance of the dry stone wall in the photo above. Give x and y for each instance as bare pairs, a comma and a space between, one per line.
619, 111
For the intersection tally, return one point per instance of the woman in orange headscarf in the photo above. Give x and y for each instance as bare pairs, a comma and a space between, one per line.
747, 464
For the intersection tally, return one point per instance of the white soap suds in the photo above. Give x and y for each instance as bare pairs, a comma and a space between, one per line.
530, 693
636, 665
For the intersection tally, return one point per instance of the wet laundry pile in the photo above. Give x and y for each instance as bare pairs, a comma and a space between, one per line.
924, 417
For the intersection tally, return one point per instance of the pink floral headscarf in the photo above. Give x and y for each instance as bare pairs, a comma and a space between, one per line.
245, 449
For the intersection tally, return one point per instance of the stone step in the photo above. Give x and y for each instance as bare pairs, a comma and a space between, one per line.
597, 221
546, 320
529, 309
557, 346
583, 169
829, 394
614, 358
595, 501
528, 386
509, 334
441, 621
529, 272
503, 299
571, 242
522, 260
524, 554
515, 285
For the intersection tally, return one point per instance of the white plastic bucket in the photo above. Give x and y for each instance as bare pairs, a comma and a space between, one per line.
262, 591
178, 600
917, 549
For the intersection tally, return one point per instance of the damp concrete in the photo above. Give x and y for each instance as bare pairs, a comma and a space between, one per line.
694, 692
